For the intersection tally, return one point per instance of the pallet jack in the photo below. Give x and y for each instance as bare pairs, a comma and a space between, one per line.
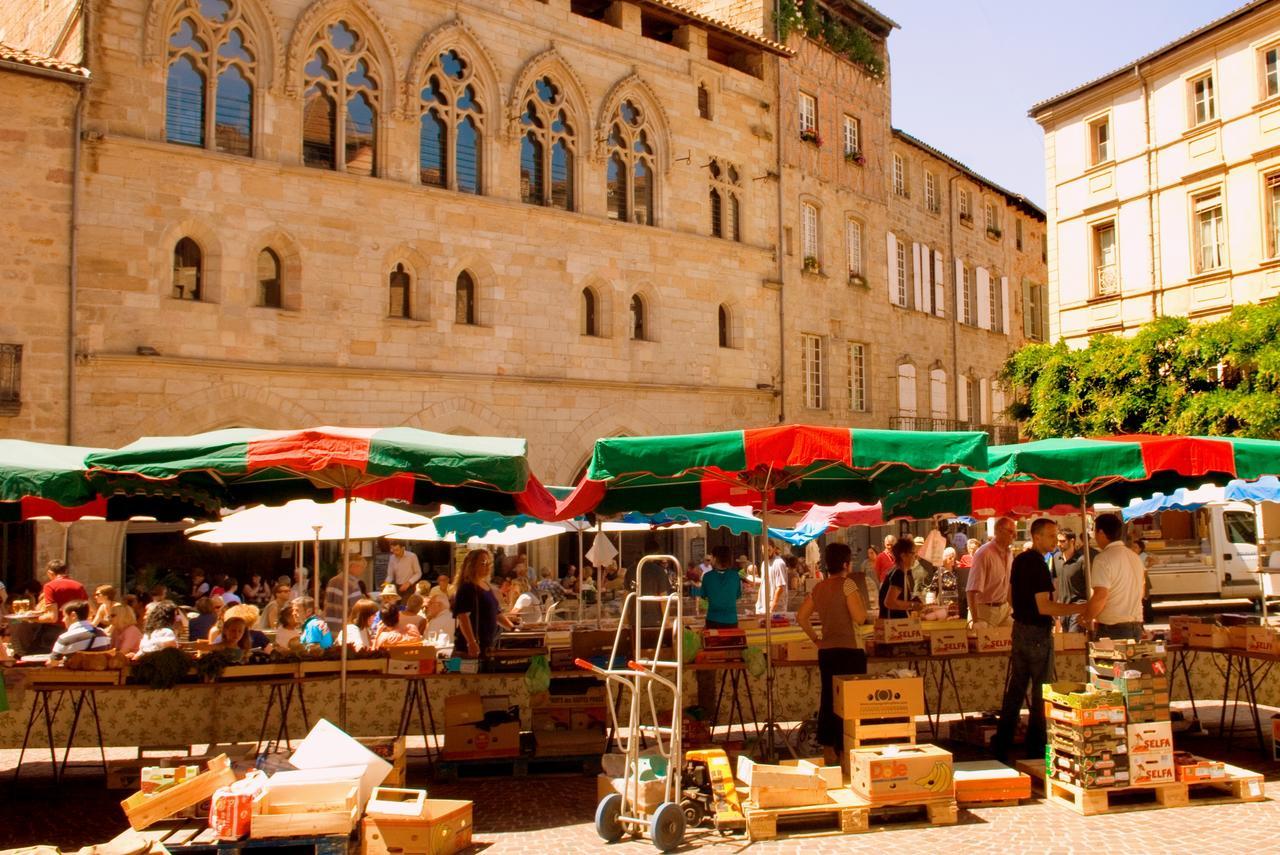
710, 793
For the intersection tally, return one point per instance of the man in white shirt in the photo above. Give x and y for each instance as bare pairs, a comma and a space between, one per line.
934, 543
777, 585
403, 569
987, 588
1118, 578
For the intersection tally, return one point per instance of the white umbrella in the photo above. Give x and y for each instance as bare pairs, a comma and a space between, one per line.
303, 519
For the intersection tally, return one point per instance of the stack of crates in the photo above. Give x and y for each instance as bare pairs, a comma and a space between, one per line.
1087, 741
1135, 669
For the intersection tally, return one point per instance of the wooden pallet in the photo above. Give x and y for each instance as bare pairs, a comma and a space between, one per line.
196, 838
1240, 785
448, 771
846, 813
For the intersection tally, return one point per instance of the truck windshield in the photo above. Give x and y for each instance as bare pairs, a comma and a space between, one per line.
1242, 526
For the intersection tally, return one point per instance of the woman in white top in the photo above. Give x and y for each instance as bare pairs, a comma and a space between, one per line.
287, 630
526, 608
356, 633
157, 628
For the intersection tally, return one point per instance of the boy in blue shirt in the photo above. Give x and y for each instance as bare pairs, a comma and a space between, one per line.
314, 629
721, 587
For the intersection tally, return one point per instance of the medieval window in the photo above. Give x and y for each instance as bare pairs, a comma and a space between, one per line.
340, 107
547, 147
465, 299
210, 78
10, 379
398, 289
188, 269
269, 294
639, 319
723, 319
630, 166
451, 125
726, 189
704, 102
590, 304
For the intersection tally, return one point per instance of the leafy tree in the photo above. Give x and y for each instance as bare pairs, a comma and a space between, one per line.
1172, 376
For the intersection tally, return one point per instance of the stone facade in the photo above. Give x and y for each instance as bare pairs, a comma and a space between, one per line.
1140, 164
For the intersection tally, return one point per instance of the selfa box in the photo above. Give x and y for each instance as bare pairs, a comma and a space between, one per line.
992, 639
895, 774
878, 697
1147, 769
1152, 737
898, 631
948, 642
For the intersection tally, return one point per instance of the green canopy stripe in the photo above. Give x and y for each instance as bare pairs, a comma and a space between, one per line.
667, 456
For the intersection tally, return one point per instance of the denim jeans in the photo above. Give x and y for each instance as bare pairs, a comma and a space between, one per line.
1118, 631
835, 662
1030, 663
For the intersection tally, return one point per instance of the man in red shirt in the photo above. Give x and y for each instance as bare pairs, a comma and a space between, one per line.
59, 590
885, 560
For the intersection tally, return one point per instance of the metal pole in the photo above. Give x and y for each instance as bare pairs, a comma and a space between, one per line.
769, 753
315, 566
581, 575
346, 602
1084, 539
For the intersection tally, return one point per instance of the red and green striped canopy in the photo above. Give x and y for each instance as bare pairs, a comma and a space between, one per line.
790, 466
253, 465
981, 501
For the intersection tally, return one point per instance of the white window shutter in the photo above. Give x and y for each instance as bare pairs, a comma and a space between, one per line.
962, 399
1004, 304
959, 280
892, 244
984, 298
984, 402
917, 290
939, 287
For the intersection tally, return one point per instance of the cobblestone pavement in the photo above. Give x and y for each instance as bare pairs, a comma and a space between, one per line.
554, 815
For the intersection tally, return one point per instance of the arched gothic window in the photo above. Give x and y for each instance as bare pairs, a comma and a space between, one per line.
465, 299
630, 166
210, 78
340, 107
452, 125
398, 287
547, 147
589, 307
269, 293
188, 269
723, 319
726, 189
639, 319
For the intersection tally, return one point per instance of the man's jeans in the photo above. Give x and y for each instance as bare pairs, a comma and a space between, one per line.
1030, 663
1119, 630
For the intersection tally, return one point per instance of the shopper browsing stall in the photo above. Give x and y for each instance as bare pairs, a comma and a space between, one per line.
893, 590
1118, 578
476, 607
776, 584
987, 589
838, 601
81, 634
1031, 657
122, 628
721, 587
315, 630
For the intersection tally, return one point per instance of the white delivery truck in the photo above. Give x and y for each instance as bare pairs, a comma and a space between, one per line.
1209, 553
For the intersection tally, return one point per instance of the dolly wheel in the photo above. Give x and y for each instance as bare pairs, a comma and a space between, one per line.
693, 813
666, 829
607, 812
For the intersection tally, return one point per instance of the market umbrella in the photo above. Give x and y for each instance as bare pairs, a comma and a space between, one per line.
39, 480
251, 465
981, 501
783, 467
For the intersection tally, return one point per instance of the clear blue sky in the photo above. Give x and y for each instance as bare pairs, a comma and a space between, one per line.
965, 73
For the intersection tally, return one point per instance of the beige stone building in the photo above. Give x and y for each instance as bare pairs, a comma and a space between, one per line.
1164, 181
556, 219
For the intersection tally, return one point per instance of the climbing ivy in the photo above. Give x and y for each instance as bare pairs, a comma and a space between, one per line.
849, 40
1220, 378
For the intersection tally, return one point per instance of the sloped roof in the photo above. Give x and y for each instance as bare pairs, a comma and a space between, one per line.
17, 56
1231, 16
723, 27
1015, 199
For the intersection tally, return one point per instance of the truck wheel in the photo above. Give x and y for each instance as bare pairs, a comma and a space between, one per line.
607, 824
666, 829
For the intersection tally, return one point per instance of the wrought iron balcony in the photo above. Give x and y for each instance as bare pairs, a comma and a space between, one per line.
998, 434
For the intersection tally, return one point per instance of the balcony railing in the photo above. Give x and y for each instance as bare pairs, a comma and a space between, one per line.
997, 434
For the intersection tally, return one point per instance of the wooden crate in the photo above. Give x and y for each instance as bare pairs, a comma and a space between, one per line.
334, 666
143, 810
54, 676
869, 732
253, 672
310, 809
1240, 785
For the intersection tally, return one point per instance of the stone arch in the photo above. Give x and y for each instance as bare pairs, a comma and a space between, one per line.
155, 37
550, 62
606, 322
461, 415
455, 35
482, 275
619, 419
212, 259
224, 405
634, 87
367, 22
289, 252
736, 326
652, 311
419, 269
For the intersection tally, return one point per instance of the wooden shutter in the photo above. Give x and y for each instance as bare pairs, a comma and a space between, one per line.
962, 400
984, 402
917, 289
984, 298
939, 287
1028, 311
959, 280
1004, 305
892, 244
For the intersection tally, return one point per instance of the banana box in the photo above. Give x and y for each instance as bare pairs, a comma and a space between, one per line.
895, 774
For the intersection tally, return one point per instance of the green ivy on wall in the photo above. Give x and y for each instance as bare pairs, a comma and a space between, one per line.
849, 40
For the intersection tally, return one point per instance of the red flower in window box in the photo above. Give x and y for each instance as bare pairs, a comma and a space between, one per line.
811, 136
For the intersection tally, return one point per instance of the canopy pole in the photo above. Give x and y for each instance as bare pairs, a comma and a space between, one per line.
315, 567
582, 575
1084, 539
346, 604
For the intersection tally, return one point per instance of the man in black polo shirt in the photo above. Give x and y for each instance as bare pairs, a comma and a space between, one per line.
1031, 658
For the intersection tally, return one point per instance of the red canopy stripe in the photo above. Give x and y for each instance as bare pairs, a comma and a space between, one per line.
1183, 454
721, 490
1005, 500
310, 451
33, 507
797, 445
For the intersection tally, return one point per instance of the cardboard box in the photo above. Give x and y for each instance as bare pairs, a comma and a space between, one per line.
1207, 636
472, 742
898, 774
801, 651
1086, 717
990, 781
992, 639
1145, 769
445, 829
1261, 639
411, 660
463, 709
1197, 770
1275, 737
948, 642
327, 749
1069, 642
568, 743
310, 809
1179, 627
878, 697
397, 803
1080, 696
898, 631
